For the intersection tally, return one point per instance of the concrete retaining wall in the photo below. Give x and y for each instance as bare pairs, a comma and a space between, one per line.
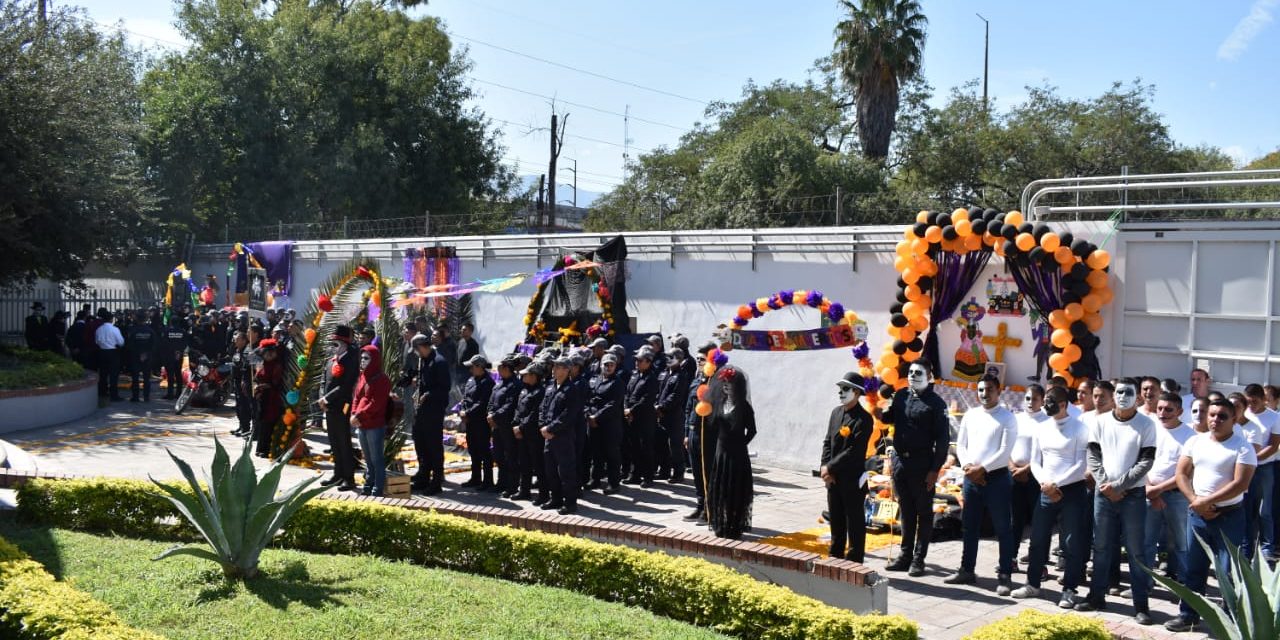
24, 409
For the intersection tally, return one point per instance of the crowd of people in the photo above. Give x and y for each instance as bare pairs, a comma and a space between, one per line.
1126, 463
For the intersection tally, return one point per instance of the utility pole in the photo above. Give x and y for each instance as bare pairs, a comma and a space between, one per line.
626, 140
42, 12
986, 55
557, 144
538, 206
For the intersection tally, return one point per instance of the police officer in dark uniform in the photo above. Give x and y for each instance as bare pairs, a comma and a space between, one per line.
669, 440
242, 361
700, 457
432, 380
562, 410
599, 347
922, 435
173, 346
474, 413
659, 354
529, 441
501, 418
642, 417
337, 389
140, 343
604, 417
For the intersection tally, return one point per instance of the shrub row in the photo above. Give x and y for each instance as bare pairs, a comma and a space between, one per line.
35, 606
686, 589
26, 369
1031, 624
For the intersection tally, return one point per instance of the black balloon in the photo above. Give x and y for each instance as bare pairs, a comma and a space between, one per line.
1066, 238
916, 344
1049, 262
1036, 254
898, 320
902, 297
1080, 289
944, 219
896, 307
996, 228
902, 284
932, 218
994, 213
979, 226
899, 347
949, 233
1077, 369
1040, 230
1026, 227
920, 229
1009, 232
1069, 296
1080, 247
1079, 330
1079, 271
1010, 248
885, 391
925, 283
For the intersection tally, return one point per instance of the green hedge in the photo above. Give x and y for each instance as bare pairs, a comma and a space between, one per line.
1037, 625
35, 606
686, 589
26, 369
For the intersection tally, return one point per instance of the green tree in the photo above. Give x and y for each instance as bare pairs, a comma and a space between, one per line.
307, 111
71, 187
879, 48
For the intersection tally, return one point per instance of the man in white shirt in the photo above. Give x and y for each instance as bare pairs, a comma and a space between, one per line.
1149, 397
1103, 403
110, 344
1259, 520
1166, 507
1058, 462
983, 444
1200, 381
1122, 447
1084, 396
1213, 473
1026, 491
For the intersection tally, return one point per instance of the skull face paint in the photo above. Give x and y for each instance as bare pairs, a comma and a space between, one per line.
917, 377
847, 395
1126, 396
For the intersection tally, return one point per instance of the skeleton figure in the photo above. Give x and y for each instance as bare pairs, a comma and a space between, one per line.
917, 377
1126, 396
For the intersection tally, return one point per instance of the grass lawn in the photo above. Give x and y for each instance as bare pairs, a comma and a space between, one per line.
308, 596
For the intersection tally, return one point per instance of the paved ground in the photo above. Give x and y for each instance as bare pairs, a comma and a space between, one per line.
130, 440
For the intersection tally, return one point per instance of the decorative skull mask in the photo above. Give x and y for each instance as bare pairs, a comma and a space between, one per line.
917, 376
1126, 396
847, 395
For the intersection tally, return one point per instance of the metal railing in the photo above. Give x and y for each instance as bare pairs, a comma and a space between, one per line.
15, 306
1198, 191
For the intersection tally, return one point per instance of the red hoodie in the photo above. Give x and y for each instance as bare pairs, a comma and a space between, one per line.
373, 389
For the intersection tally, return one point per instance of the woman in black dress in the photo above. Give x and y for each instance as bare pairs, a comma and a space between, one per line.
729, 485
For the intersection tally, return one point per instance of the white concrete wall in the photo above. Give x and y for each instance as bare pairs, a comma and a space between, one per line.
21, 413
792, 392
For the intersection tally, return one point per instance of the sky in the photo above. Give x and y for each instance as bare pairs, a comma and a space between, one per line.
1214, 64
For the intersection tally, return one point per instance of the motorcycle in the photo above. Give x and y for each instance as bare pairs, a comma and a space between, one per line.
206, 382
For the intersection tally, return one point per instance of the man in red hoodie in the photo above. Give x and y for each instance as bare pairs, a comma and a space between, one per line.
369, 417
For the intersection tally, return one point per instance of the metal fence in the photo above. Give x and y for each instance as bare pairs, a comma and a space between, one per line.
15, 306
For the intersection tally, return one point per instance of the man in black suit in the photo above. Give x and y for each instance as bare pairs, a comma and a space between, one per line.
337, 390
642, 417
430, 401
37, 330
561, 411
844, 461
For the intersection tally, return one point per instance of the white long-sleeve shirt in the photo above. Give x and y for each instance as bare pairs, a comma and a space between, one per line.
108, 337
986, 437
1059, 452
1028, 424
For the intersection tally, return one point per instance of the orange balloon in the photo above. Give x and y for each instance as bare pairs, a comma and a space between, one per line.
964, 227
919, 246
900, 263
1099, 259
912, 309
903, 248
1058, 319
1091, 303
702, 392
949, 245
934, 234
1074, 311
973, 242
920, 324
913, 292
922, 217
1107, 295
959, 215
911, 356
900, 384
909, 234
1060, 338
906, 334
910, 275
1058, 362
1096, 279
928, 267
889, 376
925, 301
1025, 242
1050, 242
989, 239
1072, 353
703, 409
1064, 256
1093, 321
1014, 218
895, 332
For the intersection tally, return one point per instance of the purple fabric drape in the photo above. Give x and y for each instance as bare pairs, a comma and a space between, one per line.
956, 275
276, 258
1042, 287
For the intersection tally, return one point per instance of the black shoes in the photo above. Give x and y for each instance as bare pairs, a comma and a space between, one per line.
961, 577
1180, 625
330, 481
916, 570
568, 509
611, 489
676, 478
901, 564
1144, 618
474, 482
348, 486
647, 484
553, 504
694, 516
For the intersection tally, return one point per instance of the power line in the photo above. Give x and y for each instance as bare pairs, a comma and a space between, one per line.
117, 27
568, 135
584, 106
579, 70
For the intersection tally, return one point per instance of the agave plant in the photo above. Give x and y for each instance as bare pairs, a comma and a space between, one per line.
237, 513
1250, 593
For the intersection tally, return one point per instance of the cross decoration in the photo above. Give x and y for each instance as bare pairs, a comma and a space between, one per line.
1001, 341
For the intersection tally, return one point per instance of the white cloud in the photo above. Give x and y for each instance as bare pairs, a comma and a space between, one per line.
1237, 154
1247, 29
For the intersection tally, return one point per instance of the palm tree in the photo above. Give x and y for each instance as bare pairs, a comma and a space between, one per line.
879, 48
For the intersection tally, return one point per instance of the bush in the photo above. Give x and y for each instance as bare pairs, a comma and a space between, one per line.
1037, 625
686, 589
35, 606
26, 369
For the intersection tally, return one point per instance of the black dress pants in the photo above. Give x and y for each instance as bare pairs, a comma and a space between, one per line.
338, 427
847, 505
428, 444
915, 507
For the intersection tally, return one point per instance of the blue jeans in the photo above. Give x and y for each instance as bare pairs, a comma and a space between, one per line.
1107, 516
996, 497
1259, 523
1170, 525
1227, 526
1071, 514
375, 465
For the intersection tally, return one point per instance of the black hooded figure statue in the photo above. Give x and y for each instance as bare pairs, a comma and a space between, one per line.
729, 483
